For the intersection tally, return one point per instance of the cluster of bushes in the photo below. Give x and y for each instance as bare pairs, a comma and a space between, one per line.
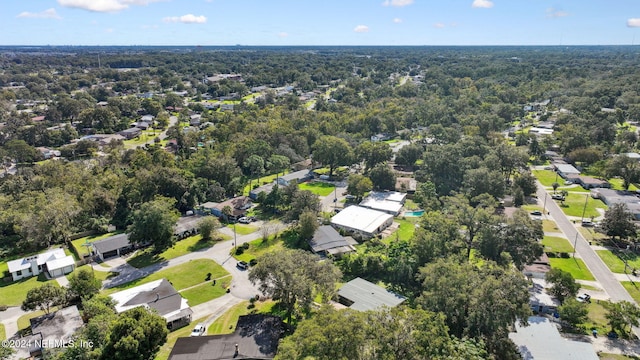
563, 255
240, 249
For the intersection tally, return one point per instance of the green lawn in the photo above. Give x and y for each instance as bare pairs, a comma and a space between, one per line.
82, 249
173, 336
591, 235
263, 181
243, 229
606, 356
616, 184
145, 136
3, 334
14, 293
575, 266
226, 323
100, 275
317, 187
613, 262
204, 292
258, 247
193, 243
550, 226
597, 319
556, 244
547, 177
574, 205
404, 232
182, 276
633, 289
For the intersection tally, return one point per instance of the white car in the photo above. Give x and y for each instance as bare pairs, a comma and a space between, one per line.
244, 220
199, 330
584, 298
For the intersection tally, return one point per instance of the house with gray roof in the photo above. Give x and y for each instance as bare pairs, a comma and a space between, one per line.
256, 336
158, 295
115, 245
362, 295
327, 241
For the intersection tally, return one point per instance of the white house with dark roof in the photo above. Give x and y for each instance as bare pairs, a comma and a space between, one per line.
53, 262
362, 295
159, 295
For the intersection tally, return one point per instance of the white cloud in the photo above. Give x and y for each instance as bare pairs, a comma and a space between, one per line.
482, 4
109, 30
361, 29
438, 25
633, 22
283, 34
47, 14
186, 19
103, 5
555, 13
397, 3
397, 20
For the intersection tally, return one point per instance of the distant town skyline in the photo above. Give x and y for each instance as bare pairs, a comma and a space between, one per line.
327, 22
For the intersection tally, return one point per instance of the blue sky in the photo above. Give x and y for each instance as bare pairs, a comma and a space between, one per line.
319, 22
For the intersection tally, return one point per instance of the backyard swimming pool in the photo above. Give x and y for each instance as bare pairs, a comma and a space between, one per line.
414, 213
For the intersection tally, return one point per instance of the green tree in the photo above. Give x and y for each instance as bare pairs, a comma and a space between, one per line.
136, 334
278, 163
564, 285
625, 167
293, 277
382, 177
332, 151
573, 312
473, 218
358, 185
622, 314
153, 223
83, 284
483, 181
555, 186
307, 225
409, 154
618, 222
22, 152
207, 227
255, 165
96, 306
373, 153
527, 182
44, 298
303, 201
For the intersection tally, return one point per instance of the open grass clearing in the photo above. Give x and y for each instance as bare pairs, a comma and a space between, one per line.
574, 205
556, 244
404, 232
268, 179
606, 356
204, 292
591, 235
13, 293
226, 323
633, 289
100, 275
613, 262
148, 256
173, 336
317, 187
182, 276
575, 266
3, 334
243, 229
597, 319
258, 247
547, 177
550, 226
616, 184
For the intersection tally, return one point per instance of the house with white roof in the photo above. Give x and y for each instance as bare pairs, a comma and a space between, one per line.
53, 262
159, 295
390, 202
362, 221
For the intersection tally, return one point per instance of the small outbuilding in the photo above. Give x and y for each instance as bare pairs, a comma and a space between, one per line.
362, 295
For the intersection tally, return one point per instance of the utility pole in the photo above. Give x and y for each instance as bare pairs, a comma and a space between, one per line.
544, 207
586, 199
235, 239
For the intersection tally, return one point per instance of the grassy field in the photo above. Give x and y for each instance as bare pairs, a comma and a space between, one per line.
165, 350
633, 289
574, 205
404, 232
550, 226
613, 262
243, 229
100, 275
591, 235
575, 266
82, 250
556, 244
547, 177
3, 334
258, 247
204, 292
182, 276
14, 293
317, 187
226, 323
616, 184
597, 319
605, 356
145, 136
147, 256
263, 181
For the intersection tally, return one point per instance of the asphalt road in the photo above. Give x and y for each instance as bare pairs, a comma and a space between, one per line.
597, 267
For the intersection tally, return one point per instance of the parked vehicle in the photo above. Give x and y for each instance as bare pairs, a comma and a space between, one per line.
244, 220
536, 213
557, 197
199, 330
585, 298
242, 265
